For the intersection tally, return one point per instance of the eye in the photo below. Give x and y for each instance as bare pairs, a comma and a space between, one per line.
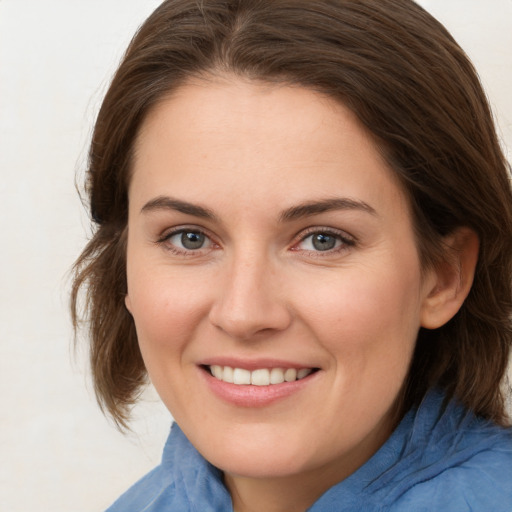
185, 240
324, 241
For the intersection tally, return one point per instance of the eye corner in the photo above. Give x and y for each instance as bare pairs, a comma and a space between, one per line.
328, 241
186, 241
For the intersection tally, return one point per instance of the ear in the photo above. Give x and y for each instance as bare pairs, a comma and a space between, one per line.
450, 281
128, 303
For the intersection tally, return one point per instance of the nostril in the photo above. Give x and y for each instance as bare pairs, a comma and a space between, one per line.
245, 321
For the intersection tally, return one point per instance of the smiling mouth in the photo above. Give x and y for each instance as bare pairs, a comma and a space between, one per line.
258, 377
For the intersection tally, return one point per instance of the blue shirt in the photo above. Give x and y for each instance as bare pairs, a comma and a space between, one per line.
437, 460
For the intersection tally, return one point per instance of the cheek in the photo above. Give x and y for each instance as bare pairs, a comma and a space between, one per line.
167, 317
166, 310
367, 312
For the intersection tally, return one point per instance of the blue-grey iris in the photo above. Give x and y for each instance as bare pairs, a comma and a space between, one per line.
323, 242
192, 240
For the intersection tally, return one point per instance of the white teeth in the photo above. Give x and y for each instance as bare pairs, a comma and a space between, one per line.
259, 377
241, 376
303, 372
290, 375
277, 376
227, 375
217, 371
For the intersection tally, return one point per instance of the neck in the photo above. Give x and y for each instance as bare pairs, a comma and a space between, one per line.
297, 492
285, 494
291, 493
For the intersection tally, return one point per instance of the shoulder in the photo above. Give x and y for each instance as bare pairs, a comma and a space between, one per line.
156, 491
146, 493
481, 483
466, 466
184, 481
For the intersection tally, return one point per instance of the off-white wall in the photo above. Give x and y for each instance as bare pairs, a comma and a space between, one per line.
58, 453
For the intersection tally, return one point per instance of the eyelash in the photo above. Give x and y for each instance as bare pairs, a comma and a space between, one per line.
169, 246
345, 241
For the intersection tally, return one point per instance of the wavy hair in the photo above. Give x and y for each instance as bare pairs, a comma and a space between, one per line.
407, 81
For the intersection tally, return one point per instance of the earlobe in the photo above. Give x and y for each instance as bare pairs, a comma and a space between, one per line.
128, 303
451, 279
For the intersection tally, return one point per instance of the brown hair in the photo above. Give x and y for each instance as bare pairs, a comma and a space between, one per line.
409, 83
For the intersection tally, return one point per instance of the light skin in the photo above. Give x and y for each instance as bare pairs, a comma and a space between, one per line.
264, 226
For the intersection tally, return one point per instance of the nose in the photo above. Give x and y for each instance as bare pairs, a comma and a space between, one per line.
250, 300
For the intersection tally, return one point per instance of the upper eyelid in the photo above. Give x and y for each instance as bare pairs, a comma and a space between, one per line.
330, 231
169, 232
164, 241
348, 242
299, 237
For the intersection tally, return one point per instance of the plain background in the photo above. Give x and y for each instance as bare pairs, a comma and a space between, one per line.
58, 453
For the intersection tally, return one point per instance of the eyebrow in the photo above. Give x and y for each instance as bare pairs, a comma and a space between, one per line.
294, 213
168, 203
326, 205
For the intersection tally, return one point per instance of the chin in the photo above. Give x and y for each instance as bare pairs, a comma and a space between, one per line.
260, 463
257, 452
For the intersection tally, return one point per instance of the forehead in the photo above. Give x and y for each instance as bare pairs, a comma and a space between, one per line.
252, 138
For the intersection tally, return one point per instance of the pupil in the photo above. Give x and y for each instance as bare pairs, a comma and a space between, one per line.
323, 242
191, 240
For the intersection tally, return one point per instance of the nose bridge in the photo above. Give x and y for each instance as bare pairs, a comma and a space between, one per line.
249, 300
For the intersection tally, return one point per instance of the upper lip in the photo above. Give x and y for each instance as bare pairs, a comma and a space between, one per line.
254, 364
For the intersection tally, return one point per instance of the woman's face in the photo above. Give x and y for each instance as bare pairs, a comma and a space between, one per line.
269, 242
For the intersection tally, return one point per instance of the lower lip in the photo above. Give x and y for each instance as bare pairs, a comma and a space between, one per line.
255, 396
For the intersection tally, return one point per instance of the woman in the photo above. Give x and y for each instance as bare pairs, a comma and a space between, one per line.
304, 239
